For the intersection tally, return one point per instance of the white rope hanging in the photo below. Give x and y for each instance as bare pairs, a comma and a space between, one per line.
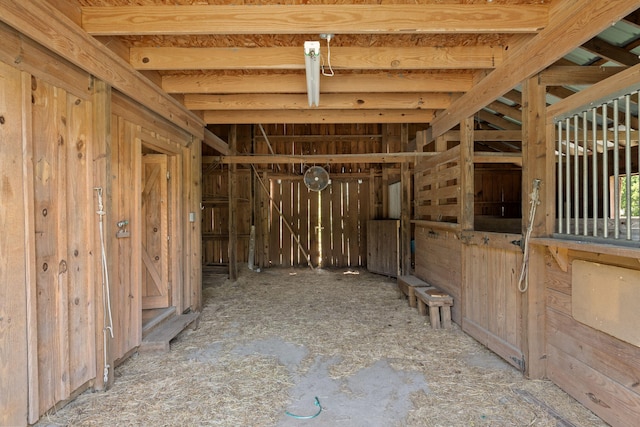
523, 282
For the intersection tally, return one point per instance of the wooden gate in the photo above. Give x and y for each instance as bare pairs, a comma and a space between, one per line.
155, 242
330, 224
492, 311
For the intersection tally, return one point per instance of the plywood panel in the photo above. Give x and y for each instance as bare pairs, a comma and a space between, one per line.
13, 257
607, 298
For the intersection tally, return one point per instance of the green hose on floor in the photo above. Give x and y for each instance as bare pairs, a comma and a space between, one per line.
306, 417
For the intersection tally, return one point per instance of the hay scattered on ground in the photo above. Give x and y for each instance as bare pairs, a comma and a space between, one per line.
355, 318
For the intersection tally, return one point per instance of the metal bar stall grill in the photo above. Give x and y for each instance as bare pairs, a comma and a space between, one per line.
600, 197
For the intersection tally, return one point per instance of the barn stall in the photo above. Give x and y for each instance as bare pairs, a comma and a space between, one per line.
509, 186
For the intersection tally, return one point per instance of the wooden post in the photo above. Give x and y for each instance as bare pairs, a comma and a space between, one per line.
101, 102
233, 206
265, 206
192, 180
441, 144
466, 174
30, 252
405, 215
536, 159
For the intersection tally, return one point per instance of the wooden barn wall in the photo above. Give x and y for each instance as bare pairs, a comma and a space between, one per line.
65, 208
59, 143
438, 261
16, 249
136, 133
53, 275
599, 370
329, 225
359, 188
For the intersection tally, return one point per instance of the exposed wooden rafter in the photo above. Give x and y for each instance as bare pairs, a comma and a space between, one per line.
566, 29
320, 158
331, 101
292, 58
383, 82
304, 19
315, 115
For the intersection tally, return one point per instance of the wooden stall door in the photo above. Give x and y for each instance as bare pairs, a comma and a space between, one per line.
155, 242
492, 311
383, 247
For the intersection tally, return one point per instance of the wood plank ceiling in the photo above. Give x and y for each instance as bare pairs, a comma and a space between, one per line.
425, 61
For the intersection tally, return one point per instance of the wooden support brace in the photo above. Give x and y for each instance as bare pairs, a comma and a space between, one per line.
561, 257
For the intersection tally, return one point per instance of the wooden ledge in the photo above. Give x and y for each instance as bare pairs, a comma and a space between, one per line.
587, 246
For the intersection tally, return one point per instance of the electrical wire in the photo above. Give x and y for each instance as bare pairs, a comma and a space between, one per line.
330, 73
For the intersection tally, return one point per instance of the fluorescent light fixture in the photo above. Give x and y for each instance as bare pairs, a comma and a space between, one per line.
312, 66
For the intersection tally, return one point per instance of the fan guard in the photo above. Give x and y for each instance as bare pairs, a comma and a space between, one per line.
316, 178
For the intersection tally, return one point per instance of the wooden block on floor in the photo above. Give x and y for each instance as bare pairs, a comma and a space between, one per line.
159, 339
407, 286
438, 304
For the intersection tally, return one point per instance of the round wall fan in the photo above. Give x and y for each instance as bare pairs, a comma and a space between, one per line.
316, 178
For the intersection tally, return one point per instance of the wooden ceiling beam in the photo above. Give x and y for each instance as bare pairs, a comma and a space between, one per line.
596, 94
321, 138
610, 52
313, 116
565, 31
576, 75
506, 110
486, 135
307, 18
319, 158
496, 120
215, 142
292, 58
331, 101
296, 83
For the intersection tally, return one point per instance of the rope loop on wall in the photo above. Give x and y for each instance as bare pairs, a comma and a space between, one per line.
523, 281
106, 294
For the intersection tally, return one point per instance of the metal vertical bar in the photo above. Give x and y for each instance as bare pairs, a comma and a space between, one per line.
627, 162
585, 175
560, 192
594, 163
576, 175
567, 183
605, 172
616, 168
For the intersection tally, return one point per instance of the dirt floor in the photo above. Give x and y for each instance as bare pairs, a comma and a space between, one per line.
284, 344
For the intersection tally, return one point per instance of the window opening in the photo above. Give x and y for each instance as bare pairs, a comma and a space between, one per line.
598, 185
